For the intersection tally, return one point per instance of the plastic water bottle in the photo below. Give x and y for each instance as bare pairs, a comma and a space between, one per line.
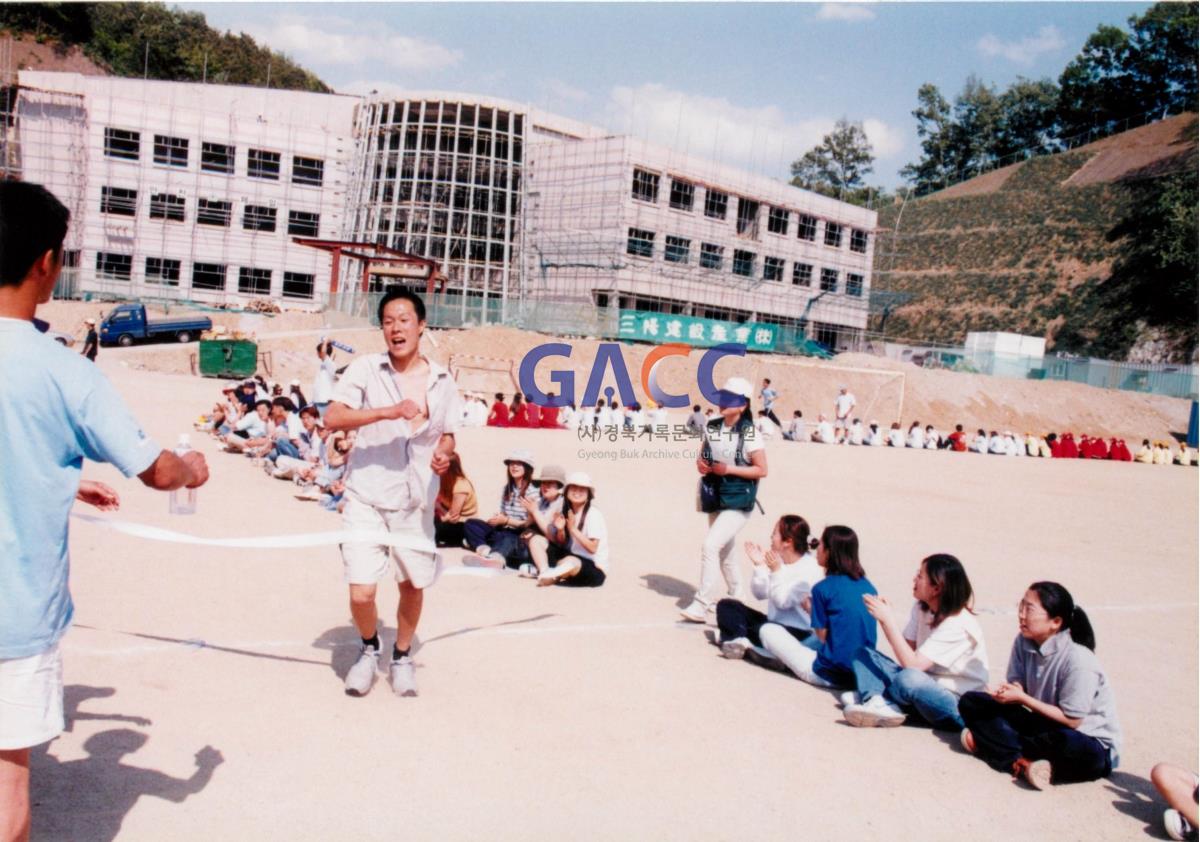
341, 346
183, 500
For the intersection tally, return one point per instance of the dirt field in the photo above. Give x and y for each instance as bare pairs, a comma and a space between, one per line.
550, 712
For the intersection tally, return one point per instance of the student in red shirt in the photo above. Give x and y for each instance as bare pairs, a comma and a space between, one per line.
517, 411
1069, 450
958, 440
499, 414
548, 416
532, 414
1099, 449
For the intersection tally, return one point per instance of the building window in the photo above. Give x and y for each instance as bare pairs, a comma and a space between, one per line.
833, 234
114, 267
217, 157
303, 224
263, 164
118, 200
777, 221
773, 268
806, 227
171, 151
858, 241
683, 194
258, 218
308, 171
208, 276
119, 143
641, 243
645, 186
747, 218
254, 281
166, 206
677, 249
829, 278
213, 212
297, 285
716, 204
162, 270
854, 285
712, 256
802, 274
743, 263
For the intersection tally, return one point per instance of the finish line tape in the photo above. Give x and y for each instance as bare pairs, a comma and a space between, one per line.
283, 542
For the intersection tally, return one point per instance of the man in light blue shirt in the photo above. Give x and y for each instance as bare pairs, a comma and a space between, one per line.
56, 409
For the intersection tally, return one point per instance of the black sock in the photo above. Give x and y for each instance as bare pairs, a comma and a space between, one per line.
397, 654
373, 640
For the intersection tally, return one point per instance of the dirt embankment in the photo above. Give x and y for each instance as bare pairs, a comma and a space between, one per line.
487, 360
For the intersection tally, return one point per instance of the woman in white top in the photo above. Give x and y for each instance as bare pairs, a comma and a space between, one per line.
915, 437
855, 435
731, 464
784, 576
980, 443
939, 656
895, 435
875, 435
584, 562
933, 439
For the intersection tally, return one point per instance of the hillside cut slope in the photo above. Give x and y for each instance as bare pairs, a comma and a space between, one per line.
1032, 248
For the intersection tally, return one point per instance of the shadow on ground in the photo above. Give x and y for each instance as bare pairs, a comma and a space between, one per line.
681, 591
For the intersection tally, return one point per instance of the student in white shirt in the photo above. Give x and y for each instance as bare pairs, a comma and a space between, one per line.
824, 434
584, 562
587, 417
855, 436
784, 576
933, 439
658, 417
875, 435
843, 406
765, 426
996, 444
895, 435
915, 437
607, 416
980, 443
795, 428
940, 654
569, 417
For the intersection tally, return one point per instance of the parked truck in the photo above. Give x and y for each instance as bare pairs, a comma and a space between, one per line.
127, 323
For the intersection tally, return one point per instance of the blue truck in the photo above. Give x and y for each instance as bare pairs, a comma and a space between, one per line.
127, 323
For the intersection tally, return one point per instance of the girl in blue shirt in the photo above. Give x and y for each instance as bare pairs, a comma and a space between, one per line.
840, 620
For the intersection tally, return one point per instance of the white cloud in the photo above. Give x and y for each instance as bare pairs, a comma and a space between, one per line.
761, 139
338, 41
1025, 50
851, 12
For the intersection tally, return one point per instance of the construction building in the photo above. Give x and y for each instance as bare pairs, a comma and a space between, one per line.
218, 193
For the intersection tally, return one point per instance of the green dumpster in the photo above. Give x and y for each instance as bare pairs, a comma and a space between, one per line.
228, 358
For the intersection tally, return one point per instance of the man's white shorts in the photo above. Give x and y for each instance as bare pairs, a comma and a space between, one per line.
31, 699
842, 423
366, 564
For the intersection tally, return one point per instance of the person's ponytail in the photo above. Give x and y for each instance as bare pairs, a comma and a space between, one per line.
1057, 602
1081, 629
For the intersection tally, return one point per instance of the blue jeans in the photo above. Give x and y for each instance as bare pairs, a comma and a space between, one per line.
876, 674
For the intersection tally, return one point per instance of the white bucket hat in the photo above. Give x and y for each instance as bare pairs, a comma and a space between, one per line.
580, 479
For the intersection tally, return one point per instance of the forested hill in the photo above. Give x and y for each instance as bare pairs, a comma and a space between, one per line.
1096, 249
136, 39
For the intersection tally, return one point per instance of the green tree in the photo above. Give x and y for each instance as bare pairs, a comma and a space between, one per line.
838, 165
934, 123
975, 133
1030, 120
1162, 57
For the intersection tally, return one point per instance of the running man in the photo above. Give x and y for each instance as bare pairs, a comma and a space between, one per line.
56, 409
406, 409
769, 396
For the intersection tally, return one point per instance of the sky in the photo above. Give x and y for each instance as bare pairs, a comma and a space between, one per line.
753, 85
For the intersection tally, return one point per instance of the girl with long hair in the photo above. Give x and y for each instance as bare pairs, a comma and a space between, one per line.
498, 539
583, 562
455, 504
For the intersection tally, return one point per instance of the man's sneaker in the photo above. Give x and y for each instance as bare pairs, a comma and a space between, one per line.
402, 678
527, 571
967, 740
713, 636
362, 674
735, 649
1176, 826
849, 697
876, 712
756, 657
490, 559
1035, 772
696, 612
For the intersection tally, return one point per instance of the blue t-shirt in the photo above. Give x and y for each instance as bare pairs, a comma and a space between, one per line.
56, 409
837, 606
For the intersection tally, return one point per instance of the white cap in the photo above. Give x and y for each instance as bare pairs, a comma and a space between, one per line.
580, 479
739, 386
294, 383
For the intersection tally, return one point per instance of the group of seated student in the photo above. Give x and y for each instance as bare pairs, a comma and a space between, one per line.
1054, 717
289, 443
546, 526
524, 413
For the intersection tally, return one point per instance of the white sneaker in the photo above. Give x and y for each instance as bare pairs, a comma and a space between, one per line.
850, 697
489, 559
735, 649
713, 636
527, 571
362, 675
402, 676
876, 712
696, 612
1176, 826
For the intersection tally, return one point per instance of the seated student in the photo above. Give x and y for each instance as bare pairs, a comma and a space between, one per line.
584, 562
454, 505
638, 417
933, 439
695, 422
1162, 453
658, 418
1012, 445
587, 418
1044, 450
516, 411
824, 433
547, 416
855, 435
784, 576
568, 417
940, 655
1032, 445
604, 415
957, 441
288, 429
765, 426
499, 537
1184, 457
1118, 451
874, 435
543, 513
979, 444
247, 396
533, 415
795, 427
840, 621
996, 445
895, 435
1181, 790
1099, 449
250, 430
1055, 719
1070, 450
916, 438
308, 443
1052, 441
499, 416
1144, 455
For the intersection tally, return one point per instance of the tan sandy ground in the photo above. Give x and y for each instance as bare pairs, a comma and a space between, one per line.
551, 712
